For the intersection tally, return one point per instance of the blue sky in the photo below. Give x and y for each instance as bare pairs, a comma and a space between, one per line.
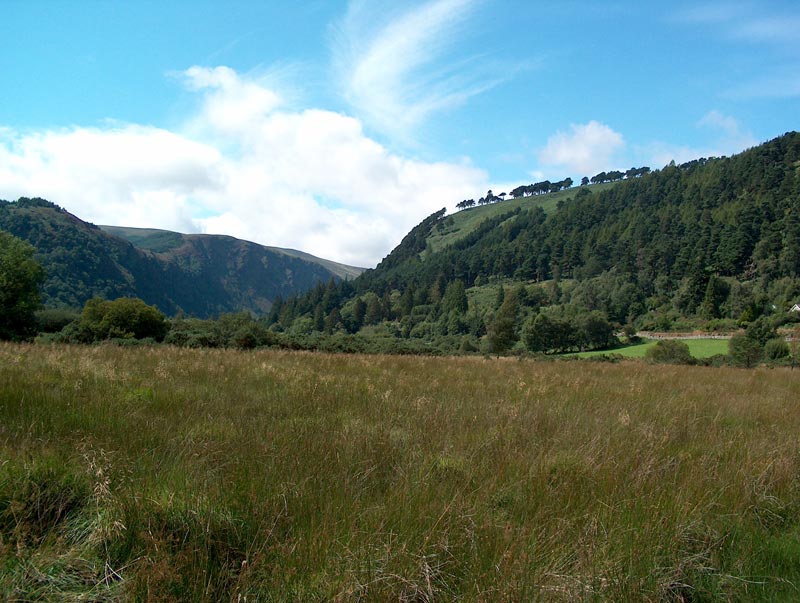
334, 126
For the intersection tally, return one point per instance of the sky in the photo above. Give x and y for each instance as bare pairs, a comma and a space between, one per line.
335, 126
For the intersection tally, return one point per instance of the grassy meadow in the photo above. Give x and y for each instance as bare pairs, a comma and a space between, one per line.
205, 475
699, 348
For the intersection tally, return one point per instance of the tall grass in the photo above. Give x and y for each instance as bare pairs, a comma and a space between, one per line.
204, 475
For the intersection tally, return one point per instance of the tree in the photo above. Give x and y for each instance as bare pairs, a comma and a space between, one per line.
333, 322
717, 292
373, 313
455, 298
124, 318
20, 279
594, 331
539, 333
502, 332
745, 351
761, 330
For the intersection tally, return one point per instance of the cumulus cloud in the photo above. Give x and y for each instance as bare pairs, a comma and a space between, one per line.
231, 103
124, 174
585, 149
244, 165
396, 67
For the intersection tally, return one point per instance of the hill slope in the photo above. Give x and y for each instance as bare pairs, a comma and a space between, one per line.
736, 217
169, 243
200, 275
461, 224
711, 239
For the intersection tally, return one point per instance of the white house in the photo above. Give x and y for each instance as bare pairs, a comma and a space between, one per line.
795, 308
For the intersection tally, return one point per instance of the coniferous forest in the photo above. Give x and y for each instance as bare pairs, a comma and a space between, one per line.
712, 243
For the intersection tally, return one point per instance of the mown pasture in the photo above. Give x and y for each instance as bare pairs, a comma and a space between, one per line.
206, 475
699, 348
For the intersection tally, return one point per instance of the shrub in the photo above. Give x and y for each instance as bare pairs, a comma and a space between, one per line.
776, 349
123, 318
670, 351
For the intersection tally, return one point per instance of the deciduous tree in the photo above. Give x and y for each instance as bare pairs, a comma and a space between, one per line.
21, 276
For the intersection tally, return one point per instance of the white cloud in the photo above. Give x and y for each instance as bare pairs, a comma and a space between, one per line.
715, 119
142, 174
728, 137
309, 180
585, 150
231, 103
395, 68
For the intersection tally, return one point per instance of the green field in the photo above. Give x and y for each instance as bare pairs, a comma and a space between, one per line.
172, 475
699, 348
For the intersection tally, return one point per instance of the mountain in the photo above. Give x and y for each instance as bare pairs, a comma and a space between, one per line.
171, 244
714, 239
199, 275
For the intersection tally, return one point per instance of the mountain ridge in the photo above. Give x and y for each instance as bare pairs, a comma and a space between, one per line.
203, 276
162, 241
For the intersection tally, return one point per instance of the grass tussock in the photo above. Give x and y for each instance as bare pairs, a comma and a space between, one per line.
206, 475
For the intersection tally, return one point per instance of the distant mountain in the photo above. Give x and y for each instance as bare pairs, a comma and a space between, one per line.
171, 244
199, 275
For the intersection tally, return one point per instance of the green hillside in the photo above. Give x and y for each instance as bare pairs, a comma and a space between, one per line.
711, 243
462, 223
193, 274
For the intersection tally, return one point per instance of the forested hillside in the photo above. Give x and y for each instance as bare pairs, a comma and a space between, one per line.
199, 275
713, 239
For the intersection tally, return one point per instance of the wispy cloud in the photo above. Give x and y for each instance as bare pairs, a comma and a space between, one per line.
730, 136
771, 29
772, 26
398, 67
713, 13
763, 23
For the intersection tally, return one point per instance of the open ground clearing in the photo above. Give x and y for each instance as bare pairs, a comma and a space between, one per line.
166, 475
699, 348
